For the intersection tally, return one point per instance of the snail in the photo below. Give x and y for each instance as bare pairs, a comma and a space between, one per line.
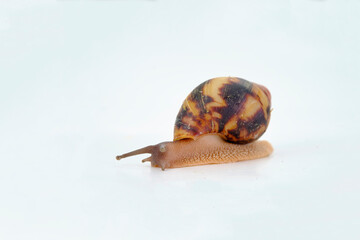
219, 122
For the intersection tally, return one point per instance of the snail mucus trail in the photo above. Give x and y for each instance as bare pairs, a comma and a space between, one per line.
219, 122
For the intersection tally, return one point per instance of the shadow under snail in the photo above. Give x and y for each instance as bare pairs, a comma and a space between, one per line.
219, 122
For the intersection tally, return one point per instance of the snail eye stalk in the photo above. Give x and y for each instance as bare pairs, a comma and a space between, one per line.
148, 149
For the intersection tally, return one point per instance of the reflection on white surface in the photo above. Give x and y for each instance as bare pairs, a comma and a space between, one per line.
84, 81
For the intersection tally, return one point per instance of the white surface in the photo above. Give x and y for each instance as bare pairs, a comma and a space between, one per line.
83, 81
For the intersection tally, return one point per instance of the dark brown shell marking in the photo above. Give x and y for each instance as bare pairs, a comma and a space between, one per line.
234, 108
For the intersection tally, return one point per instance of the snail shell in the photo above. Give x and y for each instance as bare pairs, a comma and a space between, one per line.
217, 123
234, 108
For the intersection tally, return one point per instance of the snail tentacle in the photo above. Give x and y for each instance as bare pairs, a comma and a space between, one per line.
148, 149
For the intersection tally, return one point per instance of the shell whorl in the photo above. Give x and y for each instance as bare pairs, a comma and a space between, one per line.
233, 108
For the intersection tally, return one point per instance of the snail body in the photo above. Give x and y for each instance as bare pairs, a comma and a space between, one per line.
218, 122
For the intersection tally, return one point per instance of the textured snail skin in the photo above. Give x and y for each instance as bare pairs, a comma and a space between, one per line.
207, 149
218, 123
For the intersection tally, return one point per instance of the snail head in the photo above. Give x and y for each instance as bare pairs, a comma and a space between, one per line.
158, 152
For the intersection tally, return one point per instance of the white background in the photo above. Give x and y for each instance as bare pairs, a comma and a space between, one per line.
83, 81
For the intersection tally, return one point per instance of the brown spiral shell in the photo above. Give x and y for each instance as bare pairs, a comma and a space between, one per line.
234, 108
